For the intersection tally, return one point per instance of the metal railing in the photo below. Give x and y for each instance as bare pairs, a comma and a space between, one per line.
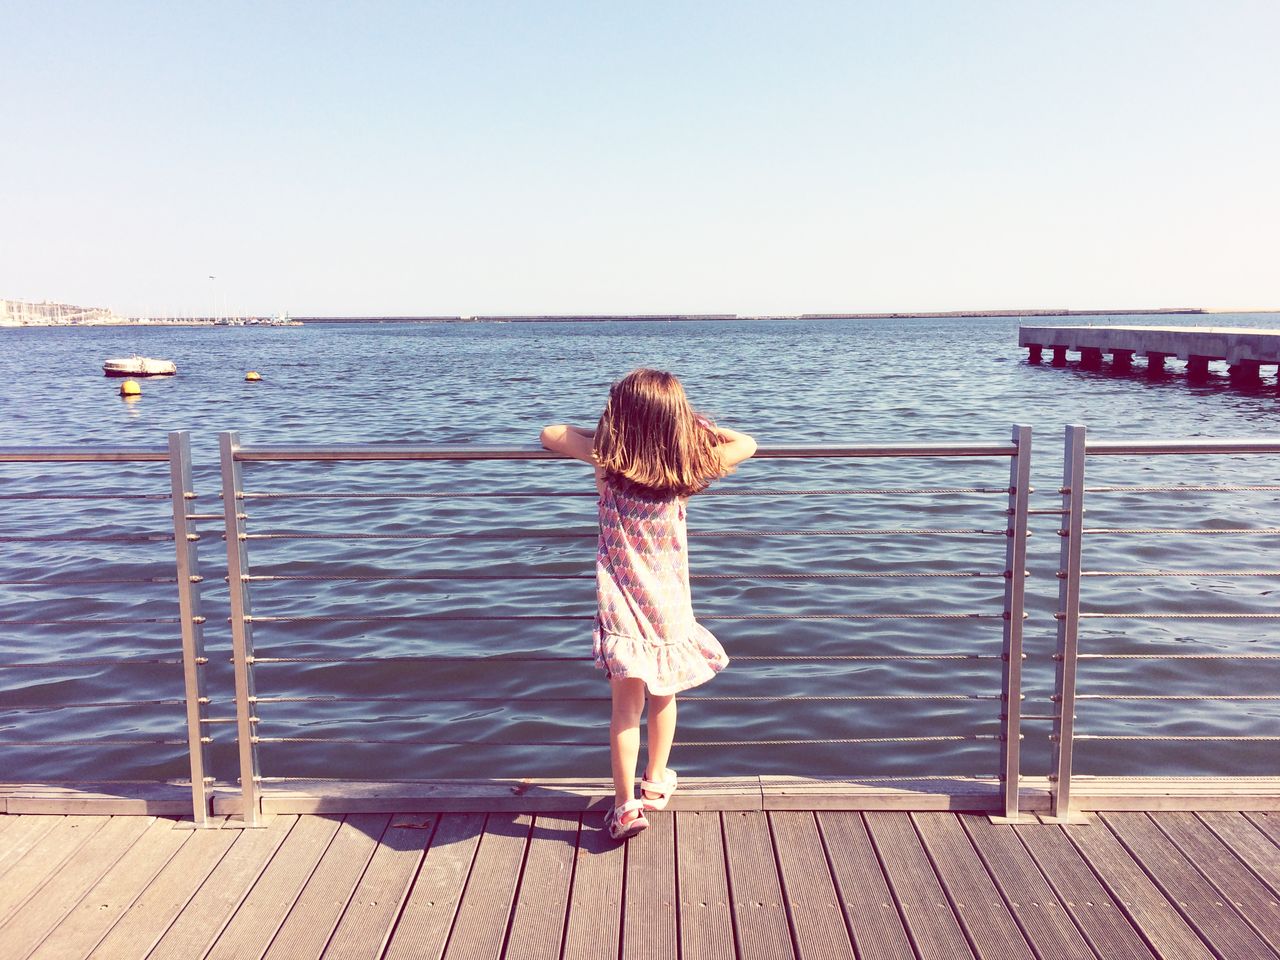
187, 578
1012, 532
1078, 448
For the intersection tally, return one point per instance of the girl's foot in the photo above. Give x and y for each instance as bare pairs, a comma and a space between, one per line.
625, 820
656, 793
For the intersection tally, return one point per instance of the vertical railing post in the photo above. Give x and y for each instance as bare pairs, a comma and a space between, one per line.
1068, 617
192, 622
1015, 574
241, 631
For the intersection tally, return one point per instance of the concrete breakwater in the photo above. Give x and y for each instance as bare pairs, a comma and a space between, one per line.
1245, 349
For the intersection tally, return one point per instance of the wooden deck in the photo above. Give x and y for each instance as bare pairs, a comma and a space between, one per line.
699, 884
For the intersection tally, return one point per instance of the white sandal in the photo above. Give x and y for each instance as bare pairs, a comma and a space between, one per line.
623, 831
664, 789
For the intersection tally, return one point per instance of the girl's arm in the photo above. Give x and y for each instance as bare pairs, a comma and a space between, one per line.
735, 447
570, 441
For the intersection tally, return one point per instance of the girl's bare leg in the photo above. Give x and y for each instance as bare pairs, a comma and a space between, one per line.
662, 730
624, 735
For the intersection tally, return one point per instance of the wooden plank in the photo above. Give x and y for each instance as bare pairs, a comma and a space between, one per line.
842, 793
528, 795
428, 913
306, 931
264, 908
649, 892
991, 928
760, 915
537, 928
113, 894
366, 925
1268, 823
869, 908
1249, 844
141, 798
594, 924
209, 910
26, 832
1157, 919
932, 926
29, 872
31, 923
706, 922
1044, 921
1175, 793
137, 931
1250, 896
816, 914
1103, 923
1216, 921
481, 924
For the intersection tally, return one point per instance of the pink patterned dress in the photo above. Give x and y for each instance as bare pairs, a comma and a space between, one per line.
645, 626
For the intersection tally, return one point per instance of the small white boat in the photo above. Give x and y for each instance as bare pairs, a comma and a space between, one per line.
137, 366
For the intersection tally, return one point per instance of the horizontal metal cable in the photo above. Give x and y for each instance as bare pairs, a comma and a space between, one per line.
386, 452
1178, 656
543, 494
1177, 696
565, 659
74, 664
65, 582
591, 576
89, 743
556, 617
722, 699
1180, 573
125, 620
46, 707
953, 777
1252, 531
99, 538
85, 496
1176, 739
1180, 616
562, 535
1202, 488
601, 744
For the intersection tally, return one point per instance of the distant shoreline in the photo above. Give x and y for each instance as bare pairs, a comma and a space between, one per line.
209, 322
634, 318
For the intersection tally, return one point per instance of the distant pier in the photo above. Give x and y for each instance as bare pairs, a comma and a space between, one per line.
1245, 349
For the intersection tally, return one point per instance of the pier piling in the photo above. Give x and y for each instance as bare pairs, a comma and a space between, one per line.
1244, 349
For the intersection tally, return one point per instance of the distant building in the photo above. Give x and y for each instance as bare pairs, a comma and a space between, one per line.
23, 313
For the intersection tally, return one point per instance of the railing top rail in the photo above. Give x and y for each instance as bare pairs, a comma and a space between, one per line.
392, 451
1191, 445
87, 453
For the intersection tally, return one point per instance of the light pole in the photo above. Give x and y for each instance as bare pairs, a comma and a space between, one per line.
214, 287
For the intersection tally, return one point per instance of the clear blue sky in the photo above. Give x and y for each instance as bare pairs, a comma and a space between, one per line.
749, 157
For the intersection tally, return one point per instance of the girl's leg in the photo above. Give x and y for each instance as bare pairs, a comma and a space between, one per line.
662, 730
624, 735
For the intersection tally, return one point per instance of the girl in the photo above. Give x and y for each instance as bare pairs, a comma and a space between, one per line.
651, 452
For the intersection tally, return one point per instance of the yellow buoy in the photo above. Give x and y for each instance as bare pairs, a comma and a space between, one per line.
130, 388
252, 375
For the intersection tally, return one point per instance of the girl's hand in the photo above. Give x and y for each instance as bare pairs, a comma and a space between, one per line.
734, 447
569, 441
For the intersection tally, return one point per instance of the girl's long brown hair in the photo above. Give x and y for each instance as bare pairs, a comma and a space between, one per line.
650, 442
